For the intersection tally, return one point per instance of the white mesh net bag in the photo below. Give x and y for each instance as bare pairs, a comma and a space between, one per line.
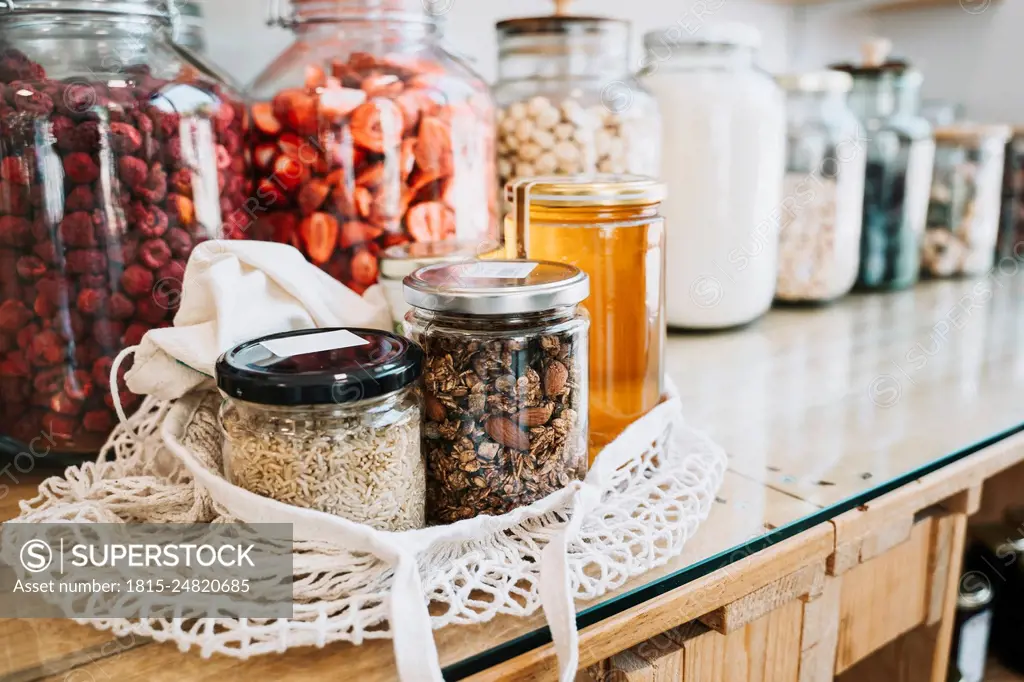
643, 498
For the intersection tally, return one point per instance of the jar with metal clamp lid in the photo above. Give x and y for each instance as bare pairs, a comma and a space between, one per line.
120, 153
610, 227
366, 133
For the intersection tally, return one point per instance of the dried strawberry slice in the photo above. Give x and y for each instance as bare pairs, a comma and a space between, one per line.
337, 102
297, 110
377, 125
356, 232
264, 119
289, 173
315, 77
434, 147
312, 196
363, 199
364, 268
263, 155
320, 233
430, 221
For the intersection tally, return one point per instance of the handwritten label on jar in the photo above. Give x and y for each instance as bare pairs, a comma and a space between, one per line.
313, 343
484, 270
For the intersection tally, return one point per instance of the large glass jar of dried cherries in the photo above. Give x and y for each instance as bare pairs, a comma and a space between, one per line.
505, 382
365, 134
118, 155
568, 103
900, 151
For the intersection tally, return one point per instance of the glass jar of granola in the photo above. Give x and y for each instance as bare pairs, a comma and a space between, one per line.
327, 419
366, 133
505, 382
964, 209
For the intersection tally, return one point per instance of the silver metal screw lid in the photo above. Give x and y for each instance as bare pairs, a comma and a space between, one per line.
496, 287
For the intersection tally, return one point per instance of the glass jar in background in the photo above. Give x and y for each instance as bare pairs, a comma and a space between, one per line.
609, 227
327, 419
963, 212
505, 382
567, 102
1011, 227
399, 261
885, 96
120, 153
823, 189
364, 134
723, 159
191, 34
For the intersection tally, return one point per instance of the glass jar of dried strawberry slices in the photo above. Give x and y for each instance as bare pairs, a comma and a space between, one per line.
118, 153
365, 133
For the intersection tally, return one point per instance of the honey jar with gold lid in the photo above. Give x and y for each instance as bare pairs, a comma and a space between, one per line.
610, 227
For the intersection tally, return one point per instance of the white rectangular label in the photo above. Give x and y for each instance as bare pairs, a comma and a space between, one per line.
490, 270
313, 343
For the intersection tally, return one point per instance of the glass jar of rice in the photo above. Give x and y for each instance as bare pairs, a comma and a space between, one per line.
327, 419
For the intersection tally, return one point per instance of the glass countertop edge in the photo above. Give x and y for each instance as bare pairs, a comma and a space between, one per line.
522, 644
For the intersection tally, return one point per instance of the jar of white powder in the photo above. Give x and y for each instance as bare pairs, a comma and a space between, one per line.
328, 419
722, 161
823, 189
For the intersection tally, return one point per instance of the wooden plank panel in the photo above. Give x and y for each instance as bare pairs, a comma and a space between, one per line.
820, 634
883, 598
758, 603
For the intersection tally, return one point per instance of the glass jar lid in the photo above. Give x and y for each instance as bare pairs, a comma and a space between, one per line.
876, 63
586, 190
319, 367
401, 260
496, 287
816, 81
732, 34
972, 133
313, 11
164, 9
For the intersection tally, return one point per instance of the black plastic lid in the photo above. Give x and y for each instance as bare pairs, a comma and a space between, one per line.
319, 367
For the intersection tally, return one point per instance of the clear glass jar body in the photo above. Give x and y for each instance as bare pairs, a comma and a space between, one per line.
622, 249
1011, 228
568, 105
899, 172
723, 163
964, 208
505, 408
819, 237
360, 460
120, 154
366, 134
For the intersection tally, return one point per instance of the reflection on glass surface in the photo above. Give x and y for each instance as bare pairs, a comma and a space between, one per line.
821, 410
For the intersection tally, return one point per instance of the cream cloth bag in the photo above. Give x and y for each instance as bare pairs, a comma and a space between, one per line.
643, 498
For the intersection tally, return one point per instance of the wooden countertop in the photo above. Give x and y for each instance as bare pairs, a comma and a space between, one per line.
819, 409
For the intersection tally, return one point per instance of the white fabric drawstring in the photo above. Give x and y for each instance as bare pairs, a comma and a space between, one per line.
115, 391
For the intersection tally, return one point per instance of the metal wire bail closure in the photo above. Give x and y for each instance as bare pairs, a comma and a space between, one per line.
276, 14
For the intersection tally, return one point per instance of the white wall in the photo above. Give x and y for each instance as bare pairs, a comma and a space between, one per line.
241, 43
970, 55
970, 52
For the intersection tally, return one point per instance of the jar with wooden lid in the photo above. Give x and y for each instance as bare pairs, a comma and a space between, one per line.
610, 227
567, 101
963, 213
